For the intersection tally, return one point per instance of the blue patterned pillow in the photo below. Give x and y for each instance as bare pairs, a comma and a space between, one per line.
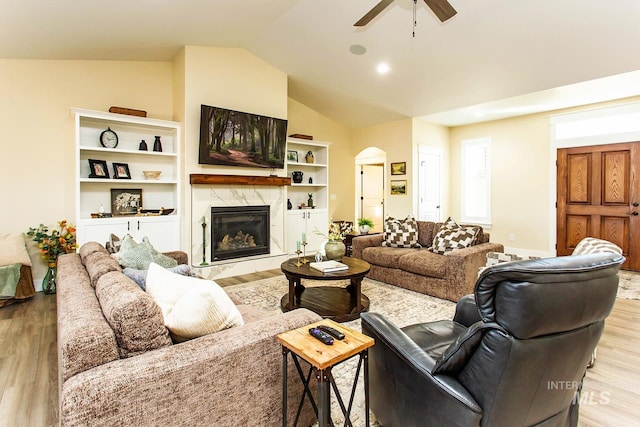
140, 276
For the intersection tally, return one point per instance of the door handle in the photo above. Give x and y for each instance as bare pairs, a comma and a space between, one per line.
128, 226
636, 204
138, 225
634, 213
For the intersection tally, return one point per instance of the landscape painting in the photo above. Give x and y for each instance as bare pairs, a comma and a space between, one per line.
234, 138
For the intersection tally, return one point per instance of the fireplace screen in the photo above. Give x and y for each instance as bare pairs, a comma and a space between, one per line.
239, 231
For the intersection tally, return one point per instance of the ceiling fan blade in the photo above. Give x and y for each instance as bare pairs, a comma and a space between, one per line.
373, 13
441, 8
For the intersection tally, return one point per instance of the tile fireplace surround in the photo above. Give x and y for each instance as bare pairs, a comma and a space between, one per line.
207, 193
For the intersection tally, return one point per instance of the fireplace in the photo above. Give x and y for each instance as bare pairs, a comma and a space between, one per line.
239, 231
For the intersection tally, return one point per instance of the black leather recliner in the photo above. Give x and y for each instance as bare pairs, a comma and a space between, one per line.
514, 354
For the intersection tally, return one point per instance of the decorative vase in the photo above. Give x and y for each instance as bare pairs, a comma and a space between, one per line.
143, 145
49, 281
297, 176
364, 229
335, 249
309, 157
157, 145
310, 201
289, 205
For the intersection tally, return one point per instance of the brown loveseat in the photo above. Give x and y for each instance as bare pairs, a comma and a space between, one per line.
126, 371
449, 276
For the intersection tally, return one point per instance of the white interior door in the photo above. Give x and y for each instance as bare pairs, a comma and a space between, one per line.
372, 194
429, 169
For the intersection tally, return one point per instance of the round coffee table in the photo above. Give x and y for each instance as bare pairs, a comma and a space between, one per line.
333, 302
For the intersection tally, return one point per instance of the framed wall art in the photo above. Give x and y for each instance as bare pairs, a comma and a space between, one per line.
292, 156
398, 187
121, 171
399, 168
98, 169
126, 201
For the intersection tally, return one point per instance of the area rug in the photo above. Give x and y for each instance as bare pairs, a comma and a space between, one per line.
403, 307
629, 287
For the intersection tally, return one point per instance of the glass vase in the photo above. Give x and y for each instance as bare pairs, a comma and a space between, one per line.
335, 249
49, 281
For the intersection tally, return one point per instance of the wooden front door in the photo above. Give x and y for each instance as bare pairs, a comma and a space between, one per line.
598, 196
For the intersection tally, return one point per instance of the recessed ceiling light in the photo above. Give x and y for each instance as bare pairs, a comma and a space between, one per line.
383, 68
357, 49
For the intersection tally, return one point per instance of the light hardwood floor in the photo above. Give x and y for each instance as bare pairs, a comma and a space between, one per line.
29, 385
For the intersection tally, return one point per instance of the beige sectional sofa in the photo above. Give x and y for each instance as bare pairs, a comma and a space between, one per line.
449, 276
118, 366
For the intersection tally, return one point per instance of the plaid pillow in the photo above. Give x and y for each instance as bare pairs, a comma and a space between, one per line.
401, 233
452, 236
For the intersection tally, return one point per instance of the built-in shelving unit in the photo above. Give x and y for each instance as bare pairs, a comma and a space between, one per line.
307, 220
92, 192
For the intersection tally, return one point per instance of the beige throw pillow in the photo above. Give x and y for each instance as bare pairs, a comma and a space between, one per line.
13, 250
192, 307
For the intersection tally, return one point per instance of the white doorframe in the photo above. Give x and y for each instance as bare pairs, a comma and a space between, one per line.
430, 184
368, 156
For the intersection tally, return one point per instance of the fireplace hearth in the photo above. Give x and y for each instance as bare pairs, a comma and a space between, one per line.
239, 231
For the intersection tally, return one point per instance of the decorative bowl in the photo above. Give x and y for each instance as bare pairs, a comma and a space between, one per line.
151, 174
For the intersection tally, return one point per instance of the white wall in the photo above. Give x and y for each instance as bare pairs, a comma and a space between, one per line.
38, 144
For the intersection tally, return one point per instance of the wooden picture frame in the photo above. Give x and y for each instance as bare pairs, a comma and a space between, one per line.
292, 156
398, 187
126, 201
121, 171
399, 168
98, 169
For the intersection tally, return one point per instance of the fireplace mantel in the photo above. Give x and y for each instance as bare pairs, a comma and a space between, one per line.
207, 179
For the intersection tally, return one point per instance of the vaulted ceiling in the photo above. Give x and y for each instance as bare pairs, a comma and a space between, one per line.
495, 58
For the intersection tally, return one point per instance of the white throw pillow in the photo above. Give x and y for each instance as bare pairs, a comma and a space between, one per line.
13, 250
191, 307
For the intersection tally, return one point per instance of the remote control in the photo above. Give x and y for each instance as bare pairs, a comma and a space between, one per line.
331, 331
321, 336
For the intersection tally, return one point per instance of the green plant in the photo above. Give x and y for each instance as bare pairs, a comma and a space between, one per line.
57, 242
365, 221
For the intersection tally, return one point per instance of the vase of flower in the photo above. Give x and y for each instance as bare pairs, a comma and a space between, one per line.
49, 281
51, 245
335, 249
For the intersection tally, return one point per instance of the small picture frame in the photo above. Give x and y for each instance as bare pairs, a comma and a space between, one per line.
399, 168
126, 201
398, 187
98, 169
292, 156
121, 171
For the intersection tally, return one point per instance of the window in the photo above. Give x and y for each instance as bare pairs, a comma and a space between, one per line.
476, 181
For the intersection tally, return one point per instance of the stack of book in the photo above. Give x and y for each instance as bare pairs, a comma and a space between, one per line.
328, 266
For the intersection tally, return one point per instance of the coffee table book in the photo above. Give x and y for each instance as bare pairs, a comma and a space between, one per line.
328, 266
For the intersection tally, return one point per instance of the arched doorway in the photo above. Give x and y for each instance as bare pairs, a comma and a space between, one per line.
370, 185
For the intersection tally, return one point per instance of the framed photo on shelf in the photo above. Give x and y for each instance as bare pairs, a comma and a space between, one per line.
98, 169
292, 156
399, 168
126, 201
398, 187
121, 171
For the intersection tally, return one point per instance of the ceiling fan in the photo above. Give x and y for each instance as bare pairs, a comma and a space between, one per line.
441, 8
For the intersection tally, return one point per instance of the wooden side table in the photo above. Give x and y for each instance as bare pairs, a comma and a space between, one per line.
322, 358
